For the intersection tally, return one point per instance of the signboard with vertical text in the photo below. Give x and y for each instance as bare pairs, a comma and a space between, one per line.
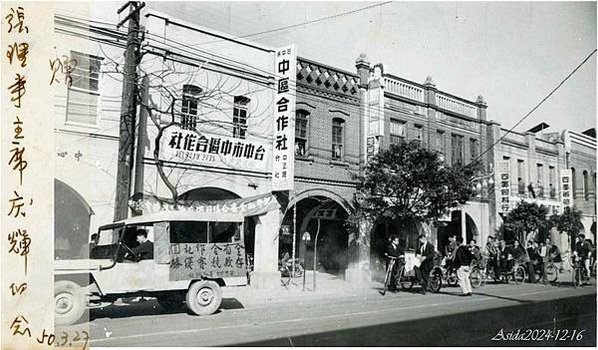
566, 188
504, 187
283, 155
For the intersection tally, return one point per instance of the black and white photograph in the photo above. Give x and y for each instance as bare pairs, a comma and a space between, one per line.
298, 174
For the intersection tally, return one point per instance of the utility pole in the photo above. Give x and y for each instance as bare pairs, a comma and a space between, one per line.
128, 110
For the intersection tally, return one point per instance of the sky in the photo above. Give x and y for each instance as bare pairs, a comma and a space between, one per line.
512, 53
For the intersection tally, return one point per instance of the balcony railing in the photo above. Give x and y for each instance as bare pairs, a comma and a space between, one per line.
403, 89
454, 105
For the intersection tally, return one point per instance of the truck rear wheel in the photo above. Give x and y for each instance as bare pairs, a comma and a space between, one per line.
204, 297
69, 302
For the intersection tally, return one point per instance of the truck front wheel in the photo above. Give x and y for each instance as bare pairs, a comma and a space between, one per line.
204, 297
69, 302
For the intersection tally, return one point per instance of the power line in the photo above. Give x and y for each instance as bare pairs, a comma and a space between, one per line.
300, 24
536, 106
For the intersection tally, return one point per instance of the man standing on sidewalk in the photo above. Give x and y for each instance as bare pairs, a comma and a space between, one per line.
462, 261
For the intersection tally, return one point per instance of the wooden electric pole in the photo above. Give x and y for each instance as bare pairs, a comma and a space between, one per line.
128, 110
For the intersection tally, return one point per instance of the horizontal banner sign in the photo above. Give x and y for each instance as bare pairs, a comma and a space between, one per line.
189, 146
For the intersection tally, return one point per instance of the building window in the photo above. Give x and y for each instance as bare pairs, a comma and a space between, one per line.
540, 177
337, 138
397, 131
573, 182
520, 176
473, 149
551, 181
586, 185
301, 127
84, 93
240, 112
419, 133
189, 106
440, 141
457, 149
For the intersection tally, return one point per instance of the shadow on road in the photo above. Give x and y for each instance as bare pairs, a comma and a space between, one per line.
478, 328
150, 308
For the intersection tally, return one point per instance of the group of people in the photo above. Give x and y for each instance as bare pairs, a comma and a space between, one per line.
534, 256
499, 257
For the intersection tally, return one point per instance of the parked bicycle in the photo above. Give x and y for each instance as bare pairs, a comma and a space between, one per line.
286, 271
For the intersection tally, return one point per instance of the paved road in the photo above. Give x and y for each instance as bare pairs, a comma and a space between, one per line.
399, 319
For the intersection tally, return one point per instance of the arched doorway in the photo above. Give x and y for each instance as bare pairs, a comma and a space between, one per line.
454, 227
333, 238
72, 216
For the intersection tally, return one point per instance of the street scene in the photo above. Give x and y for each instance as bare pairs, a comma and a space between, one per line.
324, 174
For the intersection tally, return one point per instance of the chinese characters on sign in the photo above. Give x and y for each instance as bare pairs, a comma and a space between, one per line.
285, 67
566, 189
504, 187
180, 145
214, 260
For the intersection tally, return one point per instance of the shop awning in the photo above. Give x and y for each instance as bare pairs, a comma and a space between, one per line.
249, 206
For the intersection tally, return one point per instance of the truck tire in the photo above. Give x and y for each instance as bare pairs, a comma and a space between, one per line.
204, 297
69, 302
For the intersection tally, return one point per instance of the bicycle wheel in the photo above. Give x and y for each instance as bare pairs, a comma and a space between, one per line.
476, 277
435, 282
285, 276
552, 273
519, 275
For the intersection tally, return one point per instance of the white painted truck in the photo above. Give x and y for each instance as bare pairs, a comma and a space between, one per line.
194, 254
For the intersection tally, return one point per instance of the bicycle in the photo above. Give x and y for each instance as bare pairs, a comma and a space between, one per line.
549, 274
480, 274
389, 270
286, 271
578, 272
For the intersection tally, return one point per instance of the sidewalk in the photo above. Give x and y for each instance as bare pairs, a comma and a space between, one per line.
328, 287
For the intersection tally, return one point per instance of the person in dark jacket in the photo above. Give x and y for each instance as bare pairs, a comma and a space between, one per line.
145, 249
393, 250
425, 254
462, 260
505, 256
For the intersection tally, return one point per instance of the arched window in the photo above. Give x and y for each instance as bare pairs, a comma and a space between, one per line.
586, 185
573, 182
301, 133
338, 126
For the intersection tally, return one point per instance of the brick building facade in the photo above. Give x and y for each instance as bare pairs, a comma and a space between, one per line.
341, 118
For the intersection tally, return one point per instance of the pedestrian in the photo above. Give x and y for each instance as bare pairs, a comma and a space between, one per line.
522, 257
449, 252
463, 258
394, 251
491, 251
554, 254
425, 254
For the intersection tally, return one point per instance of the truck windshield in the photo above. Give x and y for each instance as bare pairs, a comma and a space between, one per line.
105, 244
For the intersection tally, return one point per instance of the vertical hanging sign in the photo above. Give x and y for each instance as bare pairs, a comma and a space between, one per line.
504, 185
283, 162
566, 188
